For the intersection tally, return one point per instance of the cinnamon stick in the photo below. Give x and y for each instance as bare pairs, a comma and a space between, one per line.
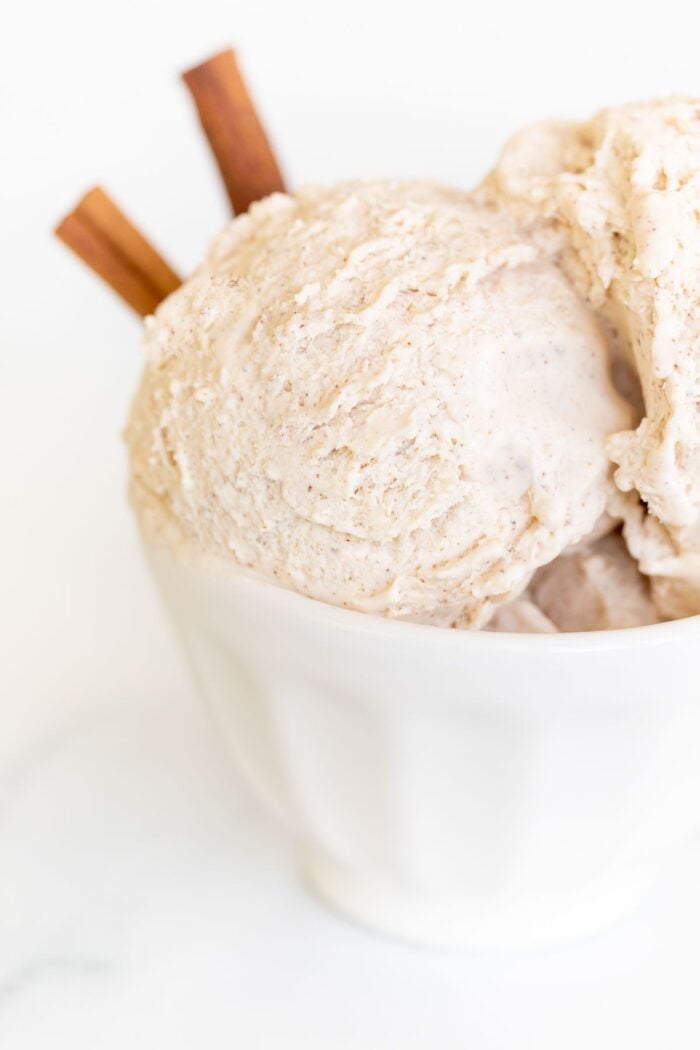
237, 138
106, 240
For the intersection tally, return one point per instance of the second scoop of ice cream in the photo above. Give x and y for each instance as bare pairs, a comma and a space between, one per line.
380, 395
616, 200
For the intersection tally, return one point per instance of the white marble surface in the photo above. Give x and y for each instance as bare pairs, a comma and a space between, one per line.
144, 900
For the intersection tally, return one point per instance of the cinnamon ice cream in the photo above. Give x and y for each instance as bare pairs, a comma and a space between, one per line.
384, 395
595, 588
616, 203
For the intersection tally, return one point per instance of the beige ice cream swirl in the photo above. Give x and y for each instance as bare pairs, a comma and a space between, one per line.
379, 394
616, 202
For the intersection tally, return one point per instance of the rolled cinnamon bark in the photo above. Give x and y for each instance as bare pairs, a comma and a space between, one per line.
237, 138
110, 244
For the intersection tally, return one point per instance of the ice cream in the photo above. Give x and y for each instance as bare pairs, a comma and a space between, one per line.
459, 409
616, 202
670, 559
384, 395
596, 588
521, 616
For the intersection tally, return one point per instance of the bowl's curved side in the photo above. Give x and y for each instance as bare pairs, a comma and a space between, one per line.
468, 790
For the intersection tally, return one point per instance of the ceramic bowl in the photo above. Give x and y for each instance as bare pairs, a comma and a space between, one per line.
452, 788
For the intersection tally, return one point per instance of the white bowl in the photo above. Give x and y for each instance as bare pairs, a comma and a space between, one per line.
449, 787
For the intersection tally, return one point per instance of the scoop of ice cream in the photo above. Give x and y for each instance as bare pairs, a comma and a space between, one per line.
378, 394
671, 558
617, 200
595, 588
521, 616
676, 596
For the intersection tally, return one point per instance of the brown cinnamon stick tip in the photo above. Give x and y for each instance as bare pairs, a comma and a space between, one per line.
102, 236
243, 153
220, 60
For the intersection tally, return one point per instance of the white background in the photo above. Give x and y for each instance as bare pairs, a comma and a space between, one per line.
144, 900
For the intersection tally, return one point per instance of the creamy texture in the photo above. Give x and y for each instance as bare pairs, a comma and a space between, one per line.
379, 394
616, 201
674, 569
595, 588
521, 616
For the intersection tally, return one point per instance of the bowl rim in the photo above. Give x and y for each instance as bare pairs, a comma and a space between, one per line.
365, 623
